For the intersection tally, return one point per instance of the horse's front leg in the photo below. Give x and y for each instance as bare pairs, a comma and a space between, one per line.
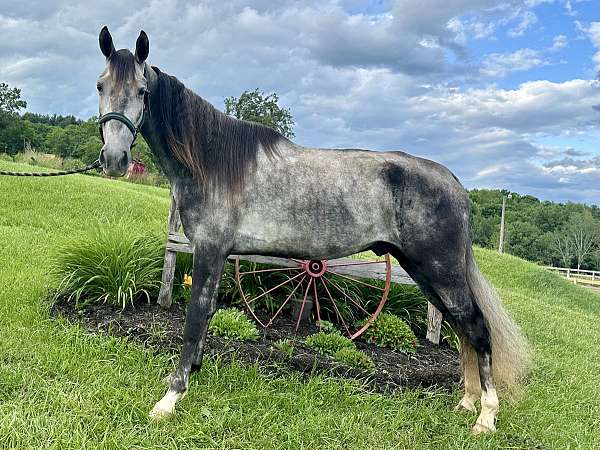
208, 267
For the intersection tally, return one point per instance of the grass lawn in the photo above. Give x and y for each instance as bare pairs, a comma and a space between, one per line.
61, 387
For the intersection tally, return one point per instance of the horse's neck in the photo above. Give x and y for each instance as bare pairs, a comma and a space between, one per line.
167, 163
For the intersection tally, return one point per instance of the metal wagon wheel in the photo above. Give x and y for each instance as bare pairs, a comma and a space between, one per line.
315, 283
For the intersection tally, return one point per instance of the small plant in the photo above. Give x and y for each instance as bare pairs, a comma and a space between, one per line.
285, 346
391, 331
327, 327
328, 343
231, 323
450, 336
354, 358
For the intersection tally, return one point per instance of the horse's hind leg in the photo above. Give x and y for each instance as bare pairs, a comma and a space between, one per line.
445, 284
477, 354
470, 367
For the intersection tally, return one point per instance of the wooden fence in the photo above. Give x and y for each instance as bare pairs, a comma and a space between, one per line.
578, 276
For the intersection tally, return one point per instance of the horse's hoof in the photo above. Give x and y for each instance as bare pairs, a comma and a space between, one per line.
465, 406
159, 413
480, 429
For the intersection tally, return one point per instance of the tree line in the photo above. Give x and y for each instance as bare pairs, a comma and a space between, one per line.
549, 233
558, 234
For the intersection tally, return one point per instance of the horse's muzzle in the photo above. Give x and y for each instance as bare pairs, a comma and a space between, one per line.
114, 163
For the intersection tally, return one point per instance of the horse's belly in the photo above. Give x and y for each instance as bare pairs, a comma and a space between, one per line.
310, 235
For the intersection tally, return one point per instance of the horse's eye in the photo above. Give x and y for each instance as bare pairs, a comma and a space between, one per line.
99, 87
141, 91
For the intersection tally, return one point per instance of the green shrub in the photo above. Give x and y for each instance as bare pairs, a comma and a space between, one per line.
231, 323
328, 343
327, 327
285, 346
111, 264
355, 358
408, 303
391, 331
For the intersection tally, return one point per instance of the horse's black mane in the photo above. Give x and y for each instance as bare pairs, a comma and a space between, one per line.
218, 149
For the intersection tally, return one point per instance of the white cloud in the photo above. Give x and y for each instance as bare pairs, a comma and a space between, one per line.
593, 33
389, 80
559, 42
466, 29
500, 64
528, 19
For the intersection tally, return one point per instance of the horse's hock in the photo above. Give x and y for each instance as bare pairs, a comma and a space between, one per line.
297, 272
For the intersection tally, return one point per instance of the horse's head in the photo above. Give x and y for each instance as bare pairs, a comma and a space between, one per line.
122, 89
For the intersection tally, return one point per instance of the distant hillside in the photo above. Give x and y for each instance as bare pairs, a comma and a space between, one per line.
563, 234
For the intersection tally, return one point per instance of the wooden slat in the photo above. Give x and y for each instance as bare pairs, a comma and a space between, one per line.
179, 239
168, 273
434, 324
179, 248
179, 243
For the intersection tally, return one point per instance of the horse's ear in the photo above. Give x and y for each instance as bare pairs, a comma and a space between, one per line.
106, 42
142, 47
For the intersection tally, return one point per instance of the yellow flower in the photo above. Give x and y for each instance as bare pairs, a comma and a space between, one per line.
187, 280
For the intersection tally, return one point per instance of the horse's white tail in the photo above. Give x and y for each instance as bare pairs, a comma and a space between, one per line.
511, 354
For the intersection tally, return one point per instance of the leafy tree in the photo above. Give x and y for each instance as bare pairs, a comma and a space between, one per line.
90, 149
10, 99
256, 106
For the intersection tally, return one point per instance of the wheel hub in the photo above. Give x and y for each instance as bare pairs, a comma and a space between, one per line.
315, 267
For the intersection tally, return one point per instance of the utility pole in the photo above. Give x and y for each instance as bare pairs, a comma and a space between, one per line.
501, 244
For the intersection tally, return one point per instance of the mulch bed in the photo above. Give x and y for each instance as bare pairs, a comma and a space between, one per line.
432, 366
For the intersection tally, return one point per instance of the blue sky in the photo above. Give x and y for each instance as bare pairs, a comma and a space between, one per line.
505, 93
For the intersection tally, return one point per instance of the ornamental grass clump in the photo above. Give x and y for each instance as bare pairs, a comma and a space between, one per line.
231, 323
392, 332
111, 264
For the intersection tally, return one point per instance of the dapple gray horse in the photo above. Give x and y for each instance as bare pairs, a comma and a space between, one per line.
244, 188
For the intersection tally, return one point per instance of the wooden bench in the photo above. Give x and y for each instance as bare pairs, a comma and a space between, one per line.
178, 243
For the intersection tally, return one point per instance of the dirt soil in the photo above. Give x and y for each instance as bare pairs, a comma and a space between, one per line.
432, 366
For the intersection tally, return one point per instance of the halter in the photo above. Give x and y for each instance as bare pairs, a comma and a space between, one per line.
124, 120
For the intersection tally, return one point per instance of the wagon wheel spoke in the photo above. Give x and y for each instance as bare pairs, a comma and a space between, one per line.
354, 302
317, 304
280, 269
303, 302
354, 280
337, 312
286, 300
289, 280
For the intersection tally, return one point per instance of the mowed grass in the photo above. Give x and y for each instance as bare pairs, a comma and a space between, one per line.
62, 387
